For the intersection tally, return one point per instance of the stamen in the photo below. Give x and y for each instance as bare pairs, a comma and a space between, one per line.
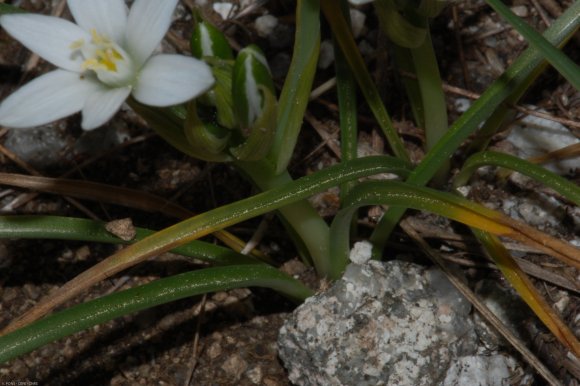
103, 56
99, 39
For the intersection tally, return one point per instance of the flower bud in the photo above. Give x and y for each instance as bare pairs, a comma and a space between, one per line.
255, 104
208, 41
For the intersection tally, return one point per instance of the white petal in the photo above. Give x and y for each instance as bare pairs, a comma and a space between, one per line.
45, 99
172, 79
107, 17
148, 22
49, 37
101, 105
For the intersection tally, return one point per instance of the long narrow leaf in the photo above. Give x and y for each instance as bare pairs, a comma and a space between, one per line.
69, 228
211, 221
343, 36
564, 27
158, 292
562, 63
524, 286
116, 195
538, 173
298, 83
457, 208
347, 109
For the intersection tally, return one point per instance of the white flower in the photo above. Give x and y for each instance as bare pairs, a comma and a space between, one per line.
101, 60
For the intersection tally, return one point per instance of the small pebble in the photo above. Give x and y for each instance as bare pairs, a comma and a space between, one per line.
225, 10
361, 252
520, 10
265, 25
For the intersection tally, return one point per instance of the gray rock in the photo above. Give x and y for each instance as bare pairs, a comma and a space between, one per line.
40, 147
391, 323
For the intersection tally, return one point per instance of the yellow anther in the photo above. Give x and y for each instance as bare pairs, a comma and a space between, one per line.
92, 64
103, 56
99, 39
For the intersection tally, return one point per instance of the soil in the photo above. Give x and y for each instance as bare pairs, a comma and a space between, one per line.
229, 338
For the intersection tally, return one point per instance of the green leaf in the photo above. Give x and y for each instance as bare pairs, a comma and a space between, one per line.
294, 96
161, 291
255, 104
562, 63
224, 216
207, 40
482, 108
401, 194
538, 173
398, 28
6, 9
69, 228
206, 141
345, 40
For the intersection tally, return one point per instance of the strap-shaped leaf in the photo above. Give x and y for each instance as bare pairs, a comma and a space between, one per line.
158, 292
69, 228
481, 109
524, 286
213, 220
457, 208
562, 63
538, 173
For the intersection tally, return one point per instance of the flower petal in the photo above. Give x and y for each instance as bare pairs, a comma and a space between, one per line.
148, 22
47, 98
107, 17
101, 105
47, 36
172, 79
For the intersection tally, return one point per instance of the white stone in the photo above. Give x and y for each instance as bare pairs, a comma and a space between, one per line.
357, 22
326, 54
462, 104
535, 136
225, 10
265, 25
361, 252
494, 370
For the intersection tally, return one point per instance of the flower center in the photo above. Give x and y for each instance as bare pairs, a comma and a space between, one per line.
106, 59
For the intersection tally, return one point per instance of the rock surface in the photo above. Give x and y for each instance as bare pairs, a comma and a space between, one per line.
393, 323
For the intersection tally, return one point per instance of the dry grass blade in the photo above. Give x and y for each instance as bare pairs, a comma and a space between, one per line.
482, 308
113, 195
